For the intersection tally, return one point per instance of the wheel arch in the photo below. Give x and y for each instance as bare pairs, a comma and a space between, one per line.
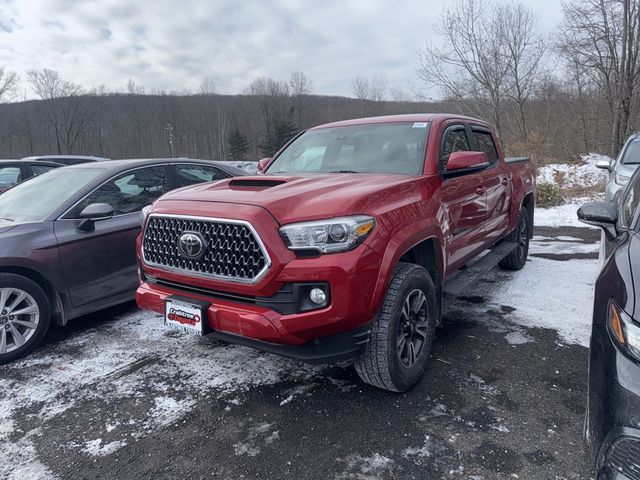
57, 305
529, 204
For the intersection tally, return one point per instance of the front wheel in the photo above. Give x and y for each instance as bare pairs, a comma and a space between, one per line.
402, 332
25, 315
518, 258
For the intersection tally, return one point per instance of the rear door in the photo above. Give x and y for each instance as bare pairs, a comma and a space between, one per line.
496, 182
463, 197
101, 264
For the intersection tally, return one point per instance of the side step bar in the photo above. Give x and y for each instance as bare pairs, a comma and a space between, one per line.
464, 278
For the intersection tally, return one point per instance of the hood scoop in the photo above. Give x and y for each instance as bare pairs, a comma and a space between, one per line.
256, 182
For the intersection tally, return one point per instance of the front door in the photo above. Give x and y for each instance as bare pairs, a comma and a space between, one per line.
464, 201
101, 263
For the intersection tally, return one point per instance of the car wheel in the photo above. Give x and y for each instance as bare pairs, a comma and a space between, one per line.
25, 315
518, 258
402, 332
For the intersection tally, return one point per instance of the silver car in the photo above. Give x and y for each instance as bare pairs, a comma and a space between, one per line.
621, 169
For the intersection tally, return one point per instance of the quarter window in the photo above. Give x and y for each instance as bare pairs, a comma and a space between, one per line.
192, 174
129, 192
484, 143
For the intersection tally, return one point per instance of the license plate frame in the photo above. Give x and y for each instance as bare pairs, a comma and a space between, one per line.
186, 315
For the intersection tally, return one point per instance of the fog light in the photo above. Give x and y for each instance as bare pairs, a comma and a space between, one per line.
317, 296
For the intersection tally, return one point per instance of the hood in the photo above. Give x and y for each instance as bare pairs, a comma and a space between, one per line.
6, 225
300, 198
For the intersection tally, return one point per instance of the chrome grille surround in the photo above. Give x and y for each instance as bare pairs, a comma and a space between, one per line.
235, 251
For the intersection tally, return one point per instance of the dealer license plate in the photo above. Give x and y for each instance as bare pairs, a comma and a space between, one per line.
185, 315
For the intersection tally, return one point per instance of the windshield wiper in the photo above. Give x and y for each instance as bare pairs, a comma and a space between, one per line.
343, 171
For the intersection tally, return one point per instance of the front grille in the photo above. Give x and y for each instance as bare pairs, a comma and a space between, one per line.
624, 457
232, 252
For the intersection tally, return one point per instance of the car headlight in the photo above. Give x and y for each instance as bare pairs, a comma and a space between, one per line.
624, 330
144, 213
328, 236
622, 180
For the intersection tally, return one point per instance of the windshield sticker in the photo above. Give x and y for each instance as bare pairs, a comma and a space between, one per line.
420, 125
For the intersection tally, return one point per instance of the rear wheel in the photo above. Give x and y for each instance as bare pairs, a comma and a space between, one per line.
518, 258
402, 332
25, 315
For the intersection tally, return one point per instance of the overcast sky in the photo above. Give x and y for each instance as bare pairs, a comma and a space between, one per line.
175, 44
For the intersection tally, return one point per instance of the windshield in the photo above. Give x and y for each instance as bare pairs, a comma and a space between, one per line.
375, 148
632, 153
36, 198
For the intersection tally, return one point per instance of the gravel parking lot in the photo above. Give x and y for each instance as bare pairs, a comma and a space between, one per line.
118, 396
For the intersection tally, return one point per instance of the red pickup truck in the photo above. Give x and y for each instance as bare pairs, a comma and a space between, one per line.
345, 246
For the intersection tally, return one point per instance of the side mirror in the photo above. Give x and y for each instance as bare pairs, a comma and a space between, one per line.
262, 164
92, 213
461, 160
603, 164
600, 214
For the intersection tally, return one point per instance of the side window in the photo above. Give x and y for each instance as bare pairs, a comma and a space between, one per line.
9, 176
40, 169
630, 204
455, 139
129, 192
484, 143
192, 174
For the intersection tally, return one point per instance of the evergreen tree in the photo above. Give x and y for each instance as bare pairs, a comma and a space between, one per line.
238, 144
276, 137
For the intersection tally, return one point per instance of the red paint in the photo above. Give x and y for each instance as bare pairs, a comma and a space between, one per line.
463, 215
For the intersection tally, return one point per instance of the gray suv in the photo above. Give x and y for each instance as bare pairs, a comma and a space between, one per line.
621, 169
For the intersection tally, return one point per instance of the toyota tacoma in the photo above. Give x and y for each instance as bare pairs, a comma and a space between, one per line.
345, 246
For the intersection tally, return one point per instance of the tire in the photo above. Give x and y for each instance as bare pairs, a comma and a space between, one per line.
20, 334
520, 235
387, 362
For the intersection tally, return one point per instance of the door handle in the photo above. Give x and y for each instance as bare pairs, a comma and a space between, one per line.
505, 181
481, 190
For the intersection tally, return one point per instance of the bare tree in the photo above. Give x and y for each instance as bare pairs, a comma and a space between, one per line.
378, 87
207, 87
361, 88
474, 62
8, 82
67, 112
525, 48
602, 37
133, 88
300, 87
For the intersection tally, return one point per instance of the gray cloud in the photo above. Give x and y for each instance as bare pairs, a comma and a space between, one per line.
175, 44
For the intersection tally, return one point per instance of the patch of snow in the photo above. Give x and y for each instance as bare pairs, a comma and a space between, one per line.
251, 444
578, 175
518, 338
564, 248
96, 449
425, 451
24, 462
296, 391
168, 410
562, 216
375, 467
564, 288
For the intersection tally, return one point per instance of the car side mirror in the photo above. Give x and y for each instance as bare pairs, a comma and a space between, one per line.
262, 164
600, 214
92, 213
603, 164
462, 160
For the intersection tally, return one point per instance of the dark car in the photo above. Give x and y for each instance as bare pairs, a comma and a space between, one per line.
67, 240
66, 159
13, 172
612, 426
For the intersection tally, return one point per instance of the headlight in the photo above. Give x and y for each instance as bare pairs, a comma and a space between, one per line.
624, 330
622, 180
328, 236
143, 214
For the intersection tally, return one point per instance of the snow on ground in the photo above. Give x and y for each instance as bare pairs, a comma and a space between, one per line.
582, 177
582, 174
562, 216
135, 361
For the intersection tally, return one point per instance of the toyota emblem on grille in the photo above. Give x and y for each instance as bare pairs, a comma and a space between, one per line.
191, 245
